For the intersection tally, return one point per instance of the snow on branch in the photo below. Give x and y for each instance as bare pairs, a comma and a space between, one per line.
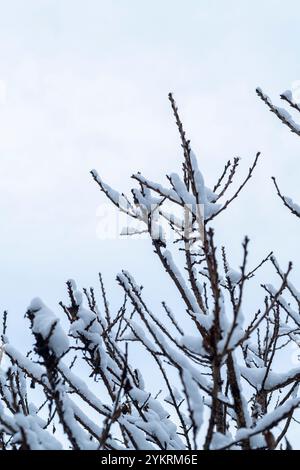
200, 372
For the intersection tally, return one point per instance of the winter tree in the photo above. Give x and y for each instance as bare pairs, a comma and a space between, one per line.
219, 389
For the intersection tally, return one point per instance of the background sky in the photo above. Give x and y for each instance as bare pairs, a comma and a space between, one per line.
84, 84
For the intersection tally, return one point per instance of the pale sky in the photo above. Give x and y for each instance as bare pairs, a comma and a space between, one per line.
84, 84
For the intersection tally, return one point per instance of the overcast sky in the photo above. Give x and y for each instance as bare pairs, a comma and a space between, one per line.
84, 84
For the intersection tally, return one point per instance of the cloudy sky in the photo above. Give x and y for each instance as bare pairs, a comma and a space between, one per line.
84, 84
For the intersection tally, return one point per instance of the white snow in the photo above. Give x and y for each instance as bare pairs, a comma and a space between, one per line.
46, 323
